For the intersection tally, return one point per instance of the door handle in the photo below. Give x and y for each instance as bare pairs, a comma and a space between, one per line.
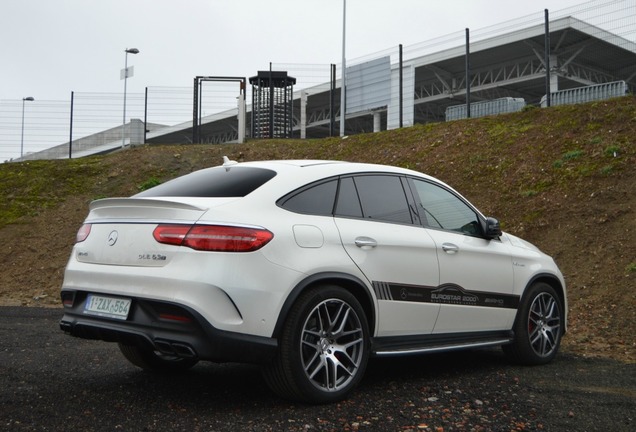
450, 248
365, 242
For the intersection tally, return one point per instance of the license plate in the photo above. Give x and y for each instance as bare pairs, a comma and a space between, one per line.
109, 307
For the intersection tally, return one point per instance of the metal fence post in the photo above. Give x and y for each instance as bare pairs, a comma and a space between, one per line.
145, 115
332, 97
195, 111
547, 58
467, 73
70, 139
401, 89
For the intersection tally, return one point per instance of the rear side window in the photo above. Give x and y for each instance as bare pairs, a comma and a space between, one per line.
348, 202
315, 199
367, 196
383, 198
217, 182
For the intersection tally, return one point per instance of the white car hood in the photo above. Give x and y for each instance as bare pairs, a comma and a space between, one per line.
521, 243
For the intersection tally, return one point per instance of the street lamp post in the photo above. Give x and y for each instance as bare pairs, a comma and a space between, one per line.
123, 126
343, 80
30, 99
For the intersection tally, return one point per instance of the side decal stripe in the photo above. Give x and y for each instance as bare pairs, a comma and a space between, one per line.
444, 294
382, 290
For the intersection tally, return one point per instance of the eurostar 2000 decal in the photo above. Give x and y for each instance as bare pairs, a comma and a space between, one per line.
444, 294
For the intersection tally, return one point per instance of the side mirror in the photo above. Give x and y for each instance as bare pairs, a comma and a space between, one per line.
492, 229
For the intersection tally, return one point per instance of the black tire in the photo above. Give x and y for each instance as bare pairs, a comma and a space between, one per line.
538, 327
323, 349
153, 361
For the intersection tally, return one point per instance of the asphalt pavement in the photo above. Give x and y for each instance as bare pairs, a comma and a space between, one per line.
50, 381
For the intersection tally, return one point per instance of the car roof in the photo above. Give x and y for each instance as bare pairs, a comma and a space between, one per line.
291, 174
322, 168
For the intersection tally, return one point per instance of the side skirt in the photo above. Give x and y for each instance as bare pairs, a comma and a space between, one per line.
421, 344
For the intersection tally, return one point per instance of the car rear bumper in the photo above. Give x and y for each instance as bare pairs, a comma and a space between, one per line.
169, 328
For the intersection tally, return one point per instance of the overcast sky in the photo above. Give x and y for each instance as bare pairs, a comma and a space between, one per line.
49, 48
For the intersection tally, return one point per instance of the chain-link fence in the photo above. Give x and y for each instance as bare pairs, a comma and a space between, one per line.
590, 44
28, 126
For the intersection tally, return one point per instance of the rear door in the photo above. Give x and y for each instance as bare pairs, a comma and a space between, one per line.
381, 233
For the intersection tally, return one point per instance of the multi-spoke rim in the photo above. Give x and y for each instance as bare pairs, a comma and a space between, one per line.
544, 324
332, 345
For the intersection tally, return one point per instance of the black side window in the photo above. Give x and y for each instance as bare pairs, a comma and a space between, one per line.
314, 199
348, 203
382, 198
442, 209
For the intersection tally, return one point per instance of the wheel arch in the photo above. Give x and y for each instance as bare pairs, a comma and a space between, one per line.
555, 283
344, 280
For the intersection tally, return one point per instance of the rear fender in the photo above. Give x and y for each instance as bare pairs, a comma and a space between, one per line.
347, 281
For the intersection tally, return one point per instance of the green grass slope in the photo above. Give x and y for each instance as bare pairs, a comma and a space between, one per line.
563, 178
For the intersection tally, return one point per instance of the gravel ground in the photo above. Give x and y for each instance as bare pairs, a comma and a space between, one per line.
53, 382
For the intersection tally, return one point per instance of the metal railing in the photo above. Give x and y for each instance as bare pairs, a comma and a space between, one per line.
486, 108
586, 94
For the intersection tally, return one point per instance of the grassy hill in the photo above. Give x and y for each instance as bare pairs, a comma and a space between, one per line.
563, 178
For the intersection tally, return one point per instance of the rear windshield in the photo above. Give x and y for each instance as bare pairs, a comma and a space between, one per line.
217, 182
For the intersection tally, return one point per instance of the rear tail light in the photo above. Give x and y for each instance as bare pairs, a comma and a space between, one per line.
68, 298
82, 233
177, 318
170, 312
213, 237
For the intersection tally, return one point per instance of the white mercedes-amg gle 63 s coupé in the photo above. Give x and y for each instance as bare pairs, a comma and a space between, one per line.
307, 268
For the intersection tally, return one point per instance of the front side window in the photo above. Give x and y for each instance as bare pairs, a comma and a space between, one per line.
440, 208
382, 198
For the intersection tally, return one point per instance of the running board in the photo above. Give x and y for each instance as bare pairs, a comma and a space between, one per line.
401, 346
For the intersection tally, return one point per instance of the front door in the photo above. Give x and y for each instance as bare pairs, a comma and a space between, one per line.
476, 274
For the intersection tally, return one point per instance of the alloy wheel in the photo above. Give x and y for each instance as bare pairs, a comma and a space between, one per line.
332, 345
544, 324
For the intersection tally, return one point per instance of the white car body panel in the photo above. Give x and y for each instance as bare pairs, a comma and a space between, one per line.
202, 282
404, 254
479, 266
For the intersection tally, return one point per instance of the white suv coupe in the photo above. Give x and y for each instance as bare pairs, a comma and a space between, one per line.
308, 268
